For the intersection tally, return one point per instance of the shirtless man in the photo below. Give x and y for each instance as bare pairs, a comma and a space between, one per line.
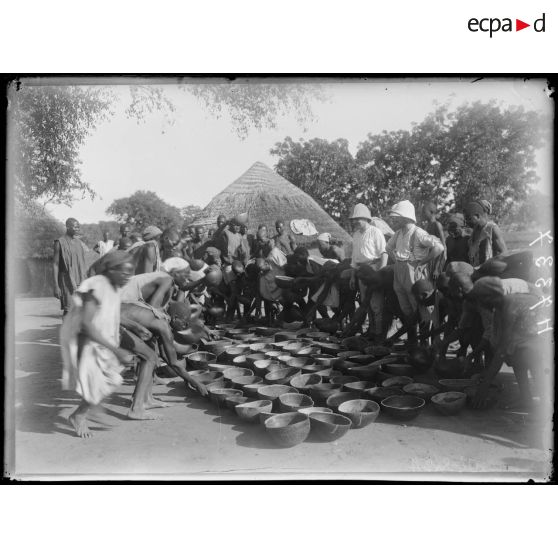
147, 256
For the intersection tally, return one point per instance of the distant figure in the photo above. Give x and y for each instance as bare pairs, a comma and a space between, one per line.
244, 250
104, 246
68, 265
147, 255
284, 240
434, 228
231, 241
125, 230
196, 245
216, 238
171, 244
262, 244
457, 242
486, 240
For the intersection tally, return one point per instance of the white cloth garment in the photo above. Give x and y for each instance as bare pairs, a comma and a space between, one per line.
400, 244
368, 246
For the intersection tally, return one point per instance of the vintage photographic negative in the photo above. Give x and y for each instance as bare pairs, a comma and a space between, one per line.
264, 278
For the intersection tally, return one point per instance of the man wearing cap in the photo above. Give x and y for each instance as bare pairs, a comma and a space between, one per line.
411, 248
369, 249
284, 240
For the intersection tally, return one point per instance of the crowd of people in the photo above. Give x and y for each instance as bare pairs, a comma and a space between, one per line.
153, 296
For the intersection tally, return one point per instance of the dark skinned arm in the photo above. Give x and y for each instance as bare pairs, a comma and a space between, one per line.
56, 269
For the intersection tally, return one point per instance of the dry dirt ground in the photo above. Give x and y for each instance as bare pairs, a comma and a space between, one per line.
194, 439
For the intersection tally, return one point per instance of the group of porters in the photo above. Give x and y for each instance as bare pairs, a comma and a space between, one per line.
152, 296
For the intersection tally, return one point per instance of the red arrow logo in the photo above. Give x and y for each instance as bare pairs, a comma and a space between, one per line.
519, 25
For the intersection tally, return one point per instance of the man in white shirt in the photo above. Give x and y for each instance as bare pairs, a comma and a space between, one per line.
369, 249
104, 246
411, 248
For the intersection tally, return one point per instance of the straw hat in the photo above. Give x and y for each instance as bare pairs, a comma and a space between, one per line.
360, 211
404, 209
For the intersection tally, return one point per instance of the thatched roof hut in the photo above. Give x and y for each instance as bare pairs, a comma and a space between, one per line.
266, 197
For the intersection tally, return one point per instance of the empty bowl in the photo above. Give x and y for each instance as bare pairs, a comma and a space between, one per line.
271, 393
218, 394
378, 394
284, 336
231, 352
317, 335
362, 360
347, 354
308, 410
403, 407
456, 384
397, 381
251, 410
326, 361
303, 382
296, 346
333, 401
425, 391
233, 400
361, 411
307, 351
252, 358
275, 354
358, 387
312, 368
214, 367
235, 372
329, 426
449, 402
288, 429
282, 376
240, 382
289, 402
261, 347
264, 415
261, 367
321, 392
240, 361
299, 362
201, 360
207, 377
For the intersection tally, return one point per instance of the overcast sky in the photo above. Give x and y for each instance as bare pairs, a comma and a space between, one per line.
195, 158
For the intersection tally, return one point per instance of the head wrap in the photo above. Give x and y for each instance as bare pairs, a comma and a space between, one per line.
488, 287
112, 260
482, 207
459, 267
151, 232
175, 264
325, 237
457, 218
404, 209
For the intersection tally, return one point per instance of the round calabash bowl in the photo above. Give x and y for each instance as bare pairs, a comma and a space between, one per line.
449, 402
312, 368
240, 382
290, 402
455, 384
233, 400
271, 393
262, 367
329, 426
217, 347
218, 395
251, 410
296, 346
299, 362
275, 354
207, 377
309, 410
230, 353
362, 360
397, 381
214, 367
403, 407
282, 376
240, 361
321, 392
264, 415
308, 351
426, 391
254, 357
234, 372
378, 394
333, 401
362, 412
201, 360
288, 429
303, 382
358, 387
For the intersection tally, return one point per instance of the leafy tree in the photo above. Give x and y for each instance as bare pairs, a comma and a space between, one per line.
145, 208
48, 125
325, 170
91, 233
189, 214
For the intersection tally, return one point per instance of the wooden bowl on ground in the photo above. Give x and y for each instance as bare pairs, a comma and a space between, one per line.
243, 381
218, 394
264, 415
261, 367
233, 400
288, 429
289, 402
397, 381
362, 360
207, 377
361, 411
403, 407
261, 347
233, 372
320, 392
329, 426
303, 382
425, 391
275, 354
252, 358
309, 410
272, 393
299, 362
284, 336
200, 360
358, 388
215, 367
313, 368
251, 410
282, 376
378, 394
329, 348
333, 401
449, 402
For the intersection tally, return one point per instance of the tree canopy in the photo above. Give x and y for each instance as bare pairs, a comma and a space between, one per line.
145, 208
480, 150
189, 214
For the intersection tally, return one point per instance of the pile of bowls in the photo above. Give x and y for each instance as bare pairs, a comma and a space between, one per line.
288, 429
403, 407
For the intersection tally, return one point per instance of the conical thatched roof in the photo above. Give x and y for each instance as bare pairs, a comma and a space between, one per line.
266, 197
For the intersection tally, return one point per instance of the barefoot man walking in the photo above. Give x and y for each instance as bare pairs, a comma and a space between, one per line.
89, 338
